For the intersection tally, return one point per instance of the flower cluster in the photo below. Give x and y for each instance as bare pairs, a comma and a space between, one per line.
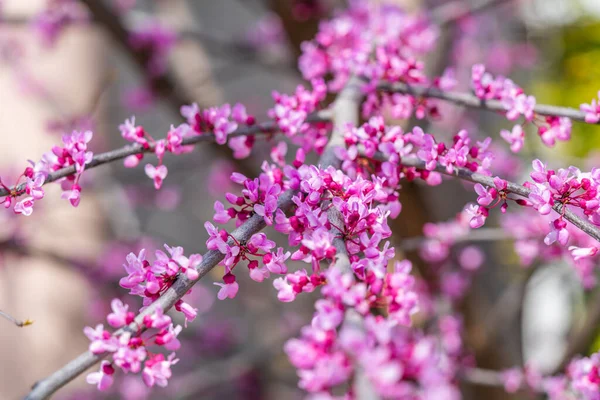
218, 121
151, 280
330, 350
222, 121
580, 381
74, 153
258, 196
290, 112
130, 352
517, 103
128, 347
336, 225
568, 187
378, 43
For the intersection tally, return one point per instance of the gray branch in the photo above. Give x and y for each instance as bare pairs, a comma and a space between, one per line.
49, 385
467, 175
133, 149
467, 99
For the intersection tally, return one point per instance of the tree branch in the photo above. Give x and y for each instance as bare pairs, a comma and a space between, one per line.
468, 175
132, 149
49, 385
467, 99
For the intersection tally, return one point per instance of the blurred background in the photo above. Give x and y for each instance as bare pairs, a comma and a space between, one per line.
75, 69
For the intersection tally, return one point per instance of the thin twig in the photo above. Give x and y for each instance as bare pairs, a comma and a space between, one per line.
468, 175
46, 387
470, 100
15, 321
125, 151
180, 287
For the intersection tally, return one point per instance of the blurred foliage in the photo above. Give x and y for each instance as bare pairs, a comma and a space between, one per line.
573, 77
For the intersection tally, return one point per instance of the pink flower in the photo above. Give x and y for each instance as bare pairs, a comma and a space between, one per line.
158, 370
188, 311
129, 356
259, 242
229, 288
241, 146
217, 239
579, 253
103, 378
167, 337
24, 206
275, 261
285, 291
101, 341
221, 215
34, 185
158, 174
240, 115
478, 215
559, 128
515, 138
541, 199
120, 315
519, 105
486, 196
513, 379
558, 233
157, 319
592, 111
328, 315
73, 195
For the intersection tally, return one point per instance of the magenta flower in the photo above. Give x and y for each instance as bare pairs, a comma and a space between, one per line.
285, 291
275, 262
541, 199
158, 174
259, 242
486, 196
579, 253
101, 341
217, 239
520, 104
221, 215
478, 215
229, 288
24, 206
103, 379
157, 370
592, 111
120, 315
515, 138
167, 337
128, 356
157, 319
73, 195
34, 185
